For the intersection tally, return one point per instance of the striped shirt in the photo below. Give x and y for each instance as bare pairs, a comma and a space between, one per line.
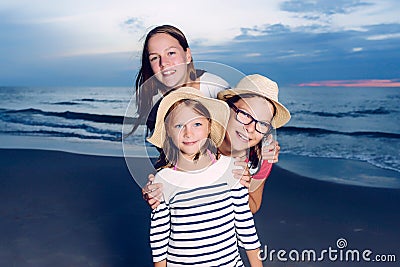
202, 218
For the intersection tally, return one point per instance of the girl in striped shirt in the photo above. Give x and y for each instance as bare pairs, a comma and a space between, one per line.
204, 214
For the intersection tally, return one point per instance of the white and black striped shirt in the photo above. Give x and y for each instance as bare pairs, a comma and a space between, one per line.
202, 218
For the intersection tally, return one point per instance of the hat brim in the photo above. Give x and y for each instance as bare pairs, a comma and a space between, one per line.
282, 115
218, 110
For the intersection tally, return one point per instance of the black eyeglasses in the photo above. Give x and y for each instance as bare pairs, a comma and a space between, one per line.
245, 118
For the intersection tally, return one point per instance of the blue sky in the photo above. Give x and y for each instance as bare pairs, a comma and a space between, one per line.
48, 43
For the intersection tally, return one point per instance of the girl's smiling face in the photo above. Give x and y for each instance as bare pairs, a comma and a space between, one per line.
168, 60
241, 137
188, 130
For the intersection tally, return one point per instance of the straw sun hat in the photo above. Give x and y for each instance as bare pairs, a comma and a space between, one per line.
260, 85
218, 109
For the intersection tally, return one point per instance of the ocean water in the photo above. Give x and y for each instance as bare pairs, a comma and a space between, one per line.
348, 123
361, 124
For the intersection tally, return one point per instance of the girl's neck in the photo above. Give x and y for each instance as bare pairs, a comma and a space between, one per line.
226, 150
195, 84
187, 163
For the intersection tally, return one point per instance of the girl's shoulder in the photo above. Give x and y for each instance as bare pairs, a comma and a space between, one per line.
211, 84
213, 78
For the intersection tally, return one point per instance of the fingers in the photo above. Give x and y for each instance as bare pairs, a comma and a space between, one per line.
240, 174
157, 194
243, 173
271, 152
151, 178
153, 198
149, 188
244, 170
151, 192
153, 203
243, 176
245, 184
241, 162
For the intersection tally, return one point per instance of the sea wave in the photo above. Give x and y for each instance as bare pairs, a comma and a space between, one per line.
64, 103
63, 134
320, 131
27, 117
100, 100
379, 162
100, 118
353, 114
82, 101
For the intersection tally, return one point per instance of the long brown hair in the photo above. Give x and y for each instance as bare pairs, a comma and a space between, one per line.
171, 151
145, 87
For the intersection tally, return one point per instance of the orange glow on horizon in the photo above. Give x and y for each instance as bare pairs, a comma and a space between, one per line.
353, 83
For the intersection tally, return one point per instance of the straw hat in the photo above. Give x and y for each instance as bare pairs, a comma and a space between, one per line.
260, 85
218, 109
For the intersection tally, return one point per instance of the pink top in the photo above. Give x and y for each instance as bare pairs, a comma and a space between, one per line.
264, 171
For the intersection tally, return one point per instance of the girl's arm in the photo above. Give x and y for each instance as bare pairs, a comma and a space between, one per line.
270, 155
255, 197
254, 259
255, 192
161, 263
257, 186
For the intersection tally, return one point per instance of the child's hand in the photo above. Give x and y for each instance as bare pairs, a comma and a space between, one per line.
152, 193
242, 173
271, 152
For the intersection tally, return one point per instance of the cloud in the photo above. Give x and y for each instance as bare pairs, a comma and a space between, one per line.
353, 83
325, 7
294, 55
134, 25
383, 36
323, 12
252, 55
295, 42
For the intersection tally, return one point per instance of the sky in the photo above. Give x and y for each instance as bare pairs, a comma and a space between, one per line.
349, 43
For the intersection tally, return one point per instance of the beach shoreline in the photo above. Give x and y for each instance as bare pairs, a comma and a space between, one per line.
66, 209
337, 170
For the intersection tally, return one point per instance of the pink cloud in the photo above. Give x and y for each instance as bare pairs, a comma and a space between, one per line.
354, 83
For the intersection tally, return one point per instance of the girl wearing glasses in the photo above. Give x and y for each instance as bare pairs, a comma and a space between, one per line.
255, 111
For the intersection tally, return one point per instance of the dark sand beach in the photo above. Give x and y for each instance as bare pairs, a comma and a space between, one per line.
63, 209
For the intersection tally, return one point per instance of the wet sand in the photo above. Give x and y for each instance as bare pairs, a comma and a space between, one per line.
65, 209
